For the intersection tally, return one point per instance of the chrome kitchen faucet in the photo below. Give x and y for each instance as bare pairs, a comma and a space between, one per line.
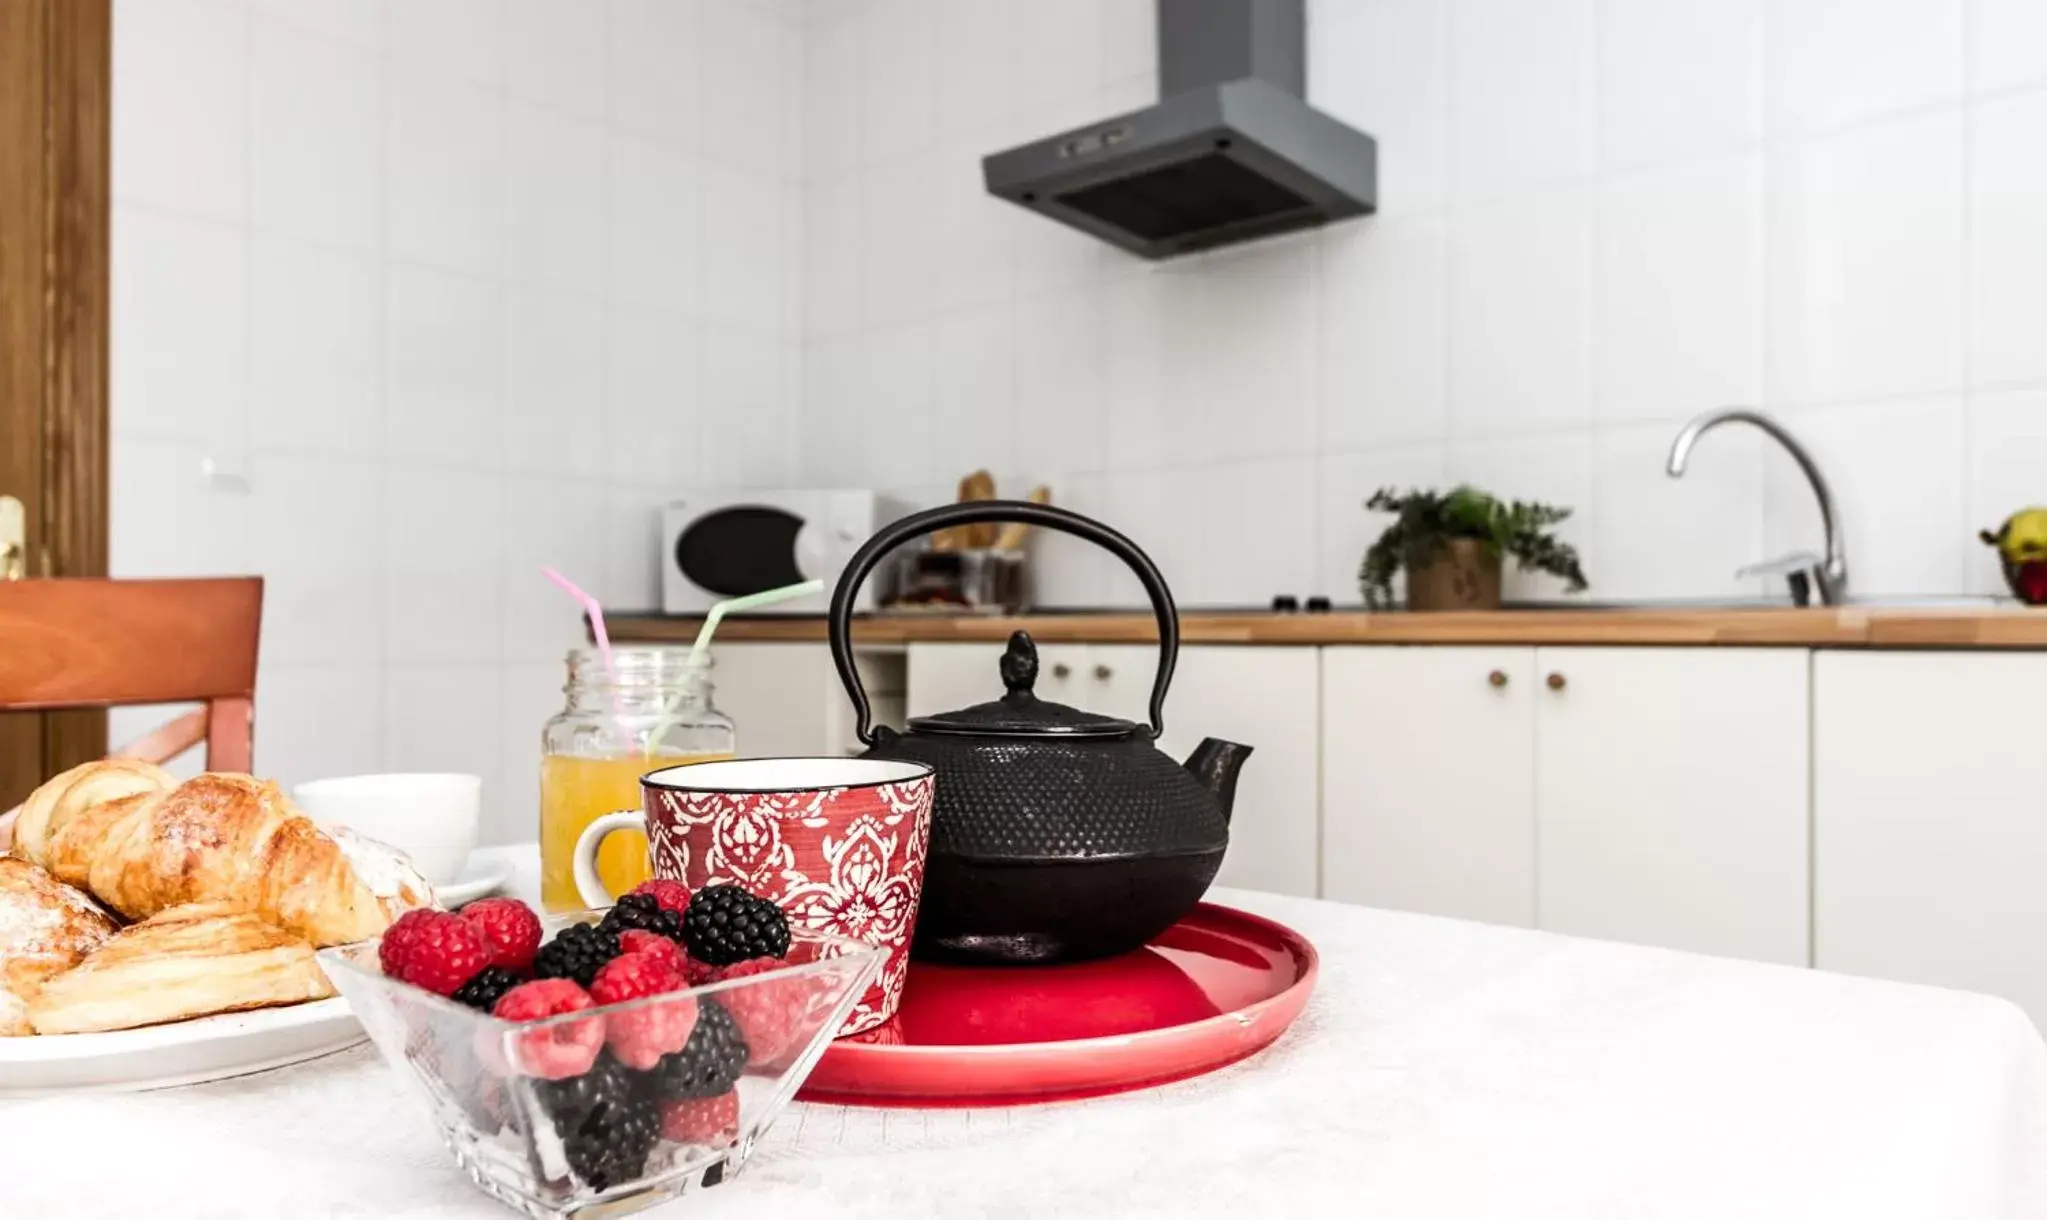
1804, 571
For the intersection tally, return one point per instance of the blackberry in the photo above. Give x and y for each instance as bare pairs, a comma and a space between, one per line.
484, 987
568, 1102
725, 924
575, 953
708, 1063
607, 1125
642, 912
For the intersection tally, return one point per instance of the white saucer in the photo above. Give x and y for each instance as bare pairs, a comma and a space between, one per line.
482, 874
184, 1052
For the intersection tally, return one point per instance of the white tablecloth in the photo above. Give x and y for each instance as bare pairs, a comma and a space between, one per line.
1443, 1069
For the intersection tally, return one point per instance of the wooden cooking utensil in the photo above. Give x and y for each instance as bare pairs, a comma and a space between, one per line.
961, 537
1012, 535
979, 485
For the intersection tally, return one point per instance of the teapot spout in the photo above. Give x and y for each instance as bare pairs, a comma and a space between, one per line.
1216, 763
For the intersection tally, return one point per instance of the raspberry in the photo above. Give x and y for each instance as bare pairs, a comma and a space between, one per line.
557, 1051
702, 1120
398, 938
444, 953
770, 1014
512, 929
698, 973
640, 1036
634, 940
668, 895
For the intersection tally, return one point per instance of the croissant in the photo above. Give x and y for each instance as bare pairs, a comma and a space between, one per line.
189, 961
141, 842
45, 928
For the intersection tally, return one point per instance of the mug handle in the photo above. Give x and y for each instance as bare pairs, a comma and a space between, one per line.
589, 886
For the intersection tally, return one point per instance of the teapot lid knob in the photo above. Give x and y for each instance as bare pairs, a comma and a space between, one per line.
1020, 665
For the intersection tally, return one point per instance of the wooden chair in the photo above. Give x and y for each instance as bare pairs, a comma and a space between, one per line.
107, 643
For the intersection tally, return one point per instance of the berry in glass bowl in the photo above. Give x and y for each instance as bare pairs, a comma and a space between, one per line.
600, 1078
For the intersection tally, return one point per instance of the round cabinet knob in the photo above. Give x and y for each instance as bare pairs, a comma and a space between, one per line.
1496, 679
1555, 681
1062, 670
1103, 673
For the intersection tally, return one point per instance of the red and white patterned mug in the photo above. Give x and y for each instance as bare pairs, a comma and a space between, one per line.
837, 843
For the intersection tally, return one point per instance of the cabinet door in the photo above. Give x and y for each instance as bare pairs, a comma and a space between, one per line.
1671, 798
1428, 780
1263, 697
1929, 827
785, 698
944, 677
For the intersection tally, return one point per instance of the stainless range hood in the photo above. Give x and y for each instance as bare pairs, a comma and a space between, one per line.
1230, 153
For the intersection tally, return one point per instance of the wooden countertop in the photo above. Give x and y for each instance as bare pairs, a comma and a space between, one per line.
1818, 627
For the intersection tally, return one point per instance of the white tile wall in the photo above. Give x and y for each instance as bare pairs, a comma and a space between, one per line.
1865, 263
443, 289
1837, 61
1598, 217
421, 282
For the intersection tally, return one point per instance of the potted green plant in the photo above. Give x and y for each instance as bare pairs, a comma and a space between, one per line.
1451, 544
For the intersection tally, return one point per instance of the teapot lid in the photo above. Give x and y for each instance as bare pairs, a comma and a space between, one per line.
1020, 713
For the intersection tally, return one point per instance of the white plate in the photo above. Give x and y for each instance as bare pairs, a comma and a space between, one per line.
183, 1052
480, 876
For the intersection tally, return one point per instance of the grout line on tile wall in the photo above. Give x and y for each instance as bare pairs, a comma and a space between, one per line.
381, 310
1972, 105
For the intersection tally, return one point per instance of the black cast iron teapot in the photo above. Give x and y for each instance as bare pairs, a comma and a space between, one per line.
1056, 834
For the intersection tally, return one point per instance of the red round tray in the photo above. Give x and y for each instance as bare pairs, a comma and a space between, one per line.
1213, 988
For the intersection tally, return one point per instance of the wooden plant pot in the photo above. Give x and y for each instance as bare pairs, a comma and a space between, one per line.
1457, 575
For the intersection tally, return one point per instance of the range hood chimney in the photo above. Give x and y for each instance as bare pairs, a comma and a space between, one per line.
1230, 153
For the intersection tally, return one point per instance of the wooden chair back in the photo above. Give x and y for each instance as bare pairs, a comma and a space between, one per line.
106, 643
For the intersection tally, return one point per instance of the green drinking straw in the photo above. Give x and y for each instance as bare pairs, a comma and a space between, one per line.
716, 615
766, 597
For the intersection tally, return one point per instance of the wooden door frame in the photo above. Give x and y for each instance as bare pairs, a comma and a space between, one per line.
56, 92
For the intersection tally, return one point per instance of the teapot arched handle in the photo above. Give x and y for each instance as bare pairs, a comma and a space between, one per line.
974, 512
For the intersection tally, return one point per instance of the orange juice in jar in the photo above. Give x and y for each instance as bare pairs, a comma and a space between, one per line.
651, 710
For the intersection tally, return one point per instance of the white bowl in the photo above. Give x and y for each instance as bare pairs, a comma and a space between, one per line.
430, 816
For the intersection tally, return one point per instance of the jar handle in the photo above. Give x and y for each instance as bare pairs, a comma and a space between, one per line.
974, 512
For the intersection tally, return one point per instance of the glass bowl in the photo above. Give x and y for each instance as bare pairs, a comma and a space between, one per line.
537, 1129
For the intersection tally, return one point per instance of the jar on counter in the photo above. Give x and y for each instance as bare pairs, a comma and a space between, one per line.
652, 710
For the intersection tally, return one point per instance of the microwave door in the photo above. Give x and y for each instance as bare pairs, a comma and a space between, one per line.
744, 549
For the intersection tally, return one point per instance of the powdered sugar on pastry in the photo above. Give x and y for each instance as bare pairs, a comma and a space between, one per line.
45, 925
387, 872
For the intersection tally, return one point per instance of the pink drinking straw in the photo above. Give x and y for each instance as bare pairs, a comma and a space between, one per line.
596, 613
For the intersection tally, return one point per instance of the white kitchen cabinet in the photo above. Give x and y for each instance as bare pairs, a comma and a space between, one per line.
1428, 780
1671, 789
946, 677
1930, 830
943, 677
1261, 696
787, 700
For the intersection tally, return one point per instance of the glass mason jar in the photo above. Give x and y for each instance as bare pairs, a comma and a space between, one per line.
652, 710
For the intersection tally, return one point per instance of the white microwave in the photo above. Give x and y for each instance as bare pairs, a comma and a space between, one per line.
728, 544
